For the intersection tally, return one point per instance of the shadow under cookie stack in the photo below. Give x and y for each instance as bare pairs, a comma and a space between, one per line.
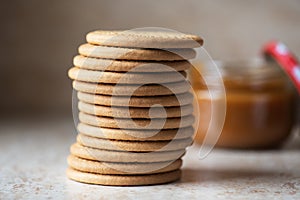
135, 107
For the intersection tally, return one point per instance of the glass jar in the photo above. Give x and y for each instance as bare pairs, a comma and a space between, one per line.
260, 104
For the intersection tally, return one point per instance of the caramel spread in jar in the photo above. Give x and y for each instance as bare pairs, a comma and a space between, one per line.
259, 100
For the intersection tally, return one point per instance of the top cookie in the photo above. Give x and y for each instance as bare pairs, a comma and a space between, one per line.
144, 39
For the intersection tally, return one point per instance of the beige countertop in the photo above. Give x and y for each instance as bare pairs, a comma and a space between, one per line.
33, 164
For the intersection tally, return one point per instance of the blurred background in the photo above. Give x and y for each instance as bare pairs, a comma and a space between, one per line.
39, 39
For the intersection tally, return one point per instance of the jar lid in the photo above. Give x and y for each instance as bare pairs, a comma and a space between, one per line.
286, 60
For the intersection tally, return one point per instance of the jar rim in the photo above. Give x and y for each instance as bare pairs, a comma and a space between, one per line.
254, 68
253, 74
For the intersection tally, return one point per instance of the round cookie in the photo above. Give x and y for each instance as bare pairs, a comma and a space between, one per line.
135, 135
123, 123
123, 180
144, 39
124, 156
125, 66
133, 146
146, 102
123, 53
125, 89
76, 73
135, 112
121, 168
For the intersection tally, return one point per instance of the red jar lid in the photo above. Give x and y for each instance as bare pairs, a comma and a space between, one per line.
288, 62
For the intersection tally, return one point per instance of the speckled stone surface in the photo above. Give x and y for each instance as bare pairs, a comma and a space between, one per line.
33, 164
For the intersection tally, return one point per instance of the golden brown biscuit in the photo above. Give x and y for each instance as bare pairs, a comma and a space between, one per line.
124, 156
121, 168
125, 89
135, 112
76, 73
124, 123
125, 65
123, 53
146, 102
123, 180
147, 38
133, 146
135, 135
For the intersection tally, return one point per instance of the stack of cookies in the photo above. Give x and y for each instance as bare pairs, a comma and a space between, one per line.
135, 107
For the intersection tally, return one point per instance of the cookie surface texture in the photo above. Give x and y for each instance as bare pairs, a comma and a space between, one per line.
144, 39
123, 180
